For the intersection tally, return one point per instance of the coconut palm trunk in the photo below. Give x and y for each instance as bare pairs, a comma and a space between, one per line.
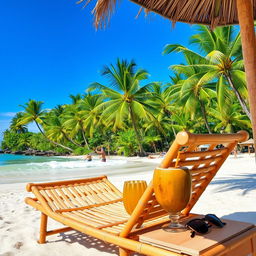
53, 142
142, 152
85, 140
205, 117
70, 140
169, 114
173, 130
238, 95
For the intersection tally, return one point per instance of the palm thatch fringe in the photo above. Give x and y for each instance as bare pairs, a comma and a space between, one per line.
208, 12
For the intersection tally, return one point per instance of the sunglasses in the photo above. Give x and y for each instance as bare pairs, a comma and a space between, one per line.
202, 226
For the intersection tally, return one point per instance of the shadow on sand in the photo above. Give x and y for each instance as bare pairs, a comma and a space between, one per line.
245, 182
242, 216
88, 242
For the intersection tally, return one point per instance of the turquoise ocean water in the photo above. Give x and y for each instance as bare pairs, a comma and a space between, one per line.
9, 159
19, 168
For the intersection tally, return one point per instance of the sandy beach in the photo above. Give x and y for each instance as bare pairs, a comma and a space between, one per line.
231, 195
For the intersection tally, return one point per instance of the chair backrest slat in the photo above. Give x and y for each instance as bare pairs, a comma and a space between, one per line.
196, 171
198, 161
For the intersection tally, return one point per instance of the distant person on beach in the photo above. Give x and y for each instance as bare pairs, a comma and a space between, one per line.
101, 151
234, 152
88, 157
162, 154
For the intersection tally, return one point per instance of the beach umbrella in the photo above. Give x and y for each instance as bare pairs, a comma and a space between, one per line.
208, 12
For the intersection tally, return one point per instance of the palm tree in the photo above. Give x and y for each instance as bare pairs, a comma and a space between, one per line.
16, 126
228, 113
162, 103
75, 122
162, 99
194, 95
58, 110
222, 57
75, 98
91, 108
126, 99
33, 113
55, 129
190, 91
182, 121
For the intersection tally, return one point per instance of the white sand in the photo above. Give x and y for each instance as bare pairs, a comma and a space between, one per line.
232, 194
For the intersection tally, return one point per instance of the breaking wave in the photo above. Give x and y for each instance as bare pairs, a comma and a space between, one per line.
74, 164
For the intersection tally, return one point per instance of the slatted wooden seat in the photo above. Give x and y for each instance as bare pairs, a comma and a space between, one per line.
94, 201
94, 206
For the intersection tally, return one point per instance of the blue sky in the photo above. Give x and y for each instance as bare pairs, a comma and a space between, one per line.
50, 49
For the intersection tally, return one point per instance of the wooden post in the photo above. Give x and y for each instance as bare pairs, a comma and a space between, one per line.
246, 21
43, 226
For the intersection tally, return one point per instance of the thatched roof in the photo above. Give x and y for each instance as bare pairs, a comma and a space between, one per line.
207, 12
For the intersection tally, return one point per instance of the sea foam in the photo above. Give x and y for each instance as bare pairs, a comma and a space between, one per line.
74, 164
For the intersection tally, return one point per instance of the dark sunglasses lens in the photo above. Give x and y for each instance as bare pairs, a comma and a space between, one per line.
198, 225
212, 218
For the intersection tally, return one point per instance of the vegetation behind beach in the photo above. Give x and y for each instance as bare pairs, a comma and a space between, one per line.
206, 94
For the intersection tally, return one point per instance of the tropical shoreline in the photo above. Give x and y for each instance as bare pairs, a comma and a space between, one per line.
230, 195
19, 168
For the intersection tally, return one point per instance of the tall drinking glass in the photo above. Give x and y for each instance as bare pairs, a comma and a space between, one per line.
172, 187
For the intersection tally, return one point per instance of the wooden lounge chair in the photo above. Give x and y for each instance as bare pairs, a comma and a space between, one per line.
94, 206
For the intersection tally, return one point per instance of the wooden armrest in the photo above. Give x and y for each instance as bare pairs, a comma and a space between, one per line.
63, 183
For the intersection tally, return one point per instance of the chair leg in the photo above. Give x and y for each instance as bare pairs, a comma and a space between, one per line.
123, 252
43, 227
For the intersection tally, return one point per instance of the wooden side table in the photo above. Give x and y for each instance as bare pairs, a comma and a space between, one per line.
234, 239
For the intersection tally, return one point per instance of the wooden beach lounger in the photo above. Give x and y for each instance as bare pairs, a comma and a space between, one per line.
94, 205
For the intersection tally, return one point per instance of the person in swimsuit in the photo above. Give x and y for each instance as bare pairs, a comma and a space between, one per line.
101, 151
88, 158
